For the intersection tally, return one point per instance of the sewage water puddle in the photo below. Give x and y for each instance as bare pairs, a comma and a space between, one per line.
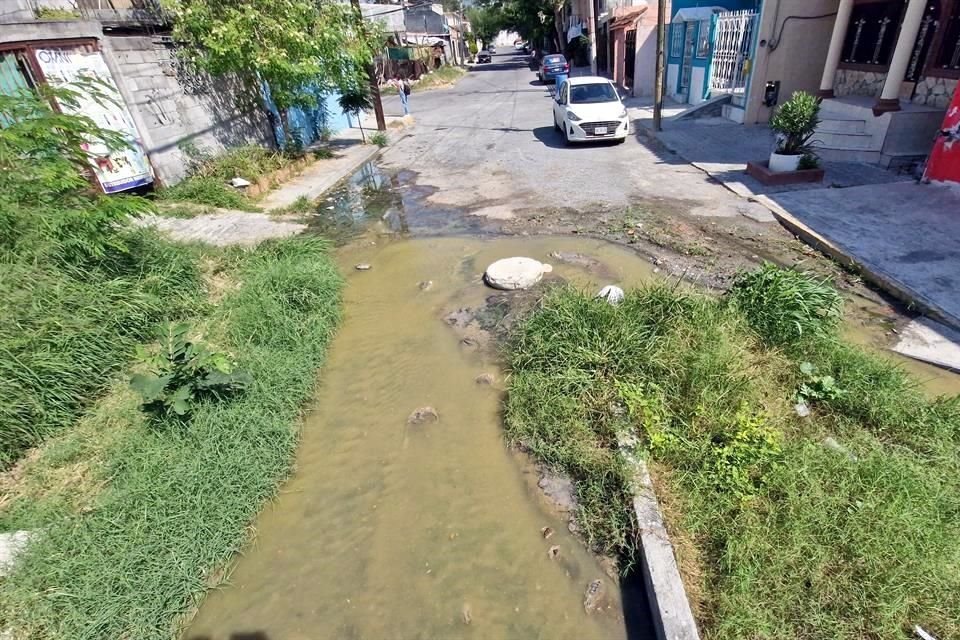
394, 531
390, 530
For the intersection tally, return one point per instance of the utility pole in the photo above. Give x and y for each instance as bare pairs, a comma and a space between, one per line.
658, 81
371, 71
593, 38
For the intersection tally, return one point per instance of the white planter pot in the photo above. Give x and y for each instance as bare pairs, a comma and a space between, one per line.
780, 162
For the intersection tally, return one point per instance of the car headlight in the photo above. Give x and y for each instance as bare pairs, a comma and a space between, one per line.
623, 114
572, 117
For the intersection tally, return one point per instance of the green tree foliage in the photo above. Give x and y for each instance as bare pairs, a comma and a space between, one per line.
293, 46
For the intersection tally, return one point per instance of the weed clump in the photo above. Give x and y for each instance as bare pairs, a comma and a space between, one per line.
793, 538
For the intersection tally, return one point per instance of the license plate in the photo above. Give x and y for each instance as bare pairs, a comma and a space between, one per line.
599, 131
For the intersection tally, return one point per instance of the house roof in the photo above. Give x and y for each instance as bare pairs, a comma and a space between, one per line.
696, 14
626, 18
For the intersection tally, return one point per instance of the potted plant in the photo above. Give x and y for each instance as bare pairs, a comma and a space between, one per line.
794, 122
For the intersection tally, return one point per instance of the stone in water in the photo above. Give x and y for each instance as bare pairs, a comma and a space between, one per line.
485, 378
363, 266
593, 599
424, 415
612, 294
515, 273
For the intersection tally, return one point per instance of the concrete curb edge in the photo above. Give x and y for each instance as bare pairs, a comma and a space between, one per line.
672, 617
836, 252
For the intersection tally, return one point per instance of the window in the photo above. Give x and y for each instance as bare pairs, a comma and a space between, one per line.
947, 57
872, 33
593, 93
676, 39
703, 39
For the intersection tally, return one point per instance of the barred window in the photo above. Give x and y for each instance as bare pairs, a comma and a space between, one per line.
948, 56
703, 39
872, 33
676, 39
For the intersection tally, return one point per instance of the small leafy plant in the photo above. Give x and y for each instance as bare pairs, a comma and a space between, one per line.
744, 454
379, 139
809, 160
184, 373
816, 387
795, 122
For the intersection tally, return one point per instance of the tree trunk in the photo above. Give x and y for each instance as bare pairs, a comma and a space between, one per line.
360, 124
561, 36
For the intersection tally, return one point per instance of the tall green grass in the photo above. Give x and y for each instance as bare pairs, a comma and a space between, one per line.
66, 330
795, 539
177, 502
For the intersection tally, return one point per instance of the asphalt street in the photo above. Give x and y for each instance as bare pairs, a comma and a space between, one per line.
488, 144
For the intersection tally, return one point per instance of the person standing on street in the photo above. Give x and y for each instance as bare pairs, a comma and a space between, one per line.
403, 89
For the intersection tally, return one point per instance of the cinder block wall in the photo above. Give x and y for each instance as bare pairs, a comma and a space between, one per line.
172, 107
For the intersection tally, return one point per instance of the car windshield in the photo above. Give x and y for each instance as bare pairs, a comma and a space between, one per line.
554, 60
591, 93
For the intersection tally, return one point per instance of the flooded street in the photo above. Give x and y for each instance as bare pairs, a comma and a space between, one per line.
390, 530
393, 530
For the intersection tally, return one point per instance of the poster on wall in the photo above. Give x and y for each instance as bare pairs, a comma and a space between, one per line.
118, 169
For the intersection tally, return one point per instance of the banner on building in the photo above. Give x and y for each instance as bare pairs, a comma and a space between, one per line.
116, 169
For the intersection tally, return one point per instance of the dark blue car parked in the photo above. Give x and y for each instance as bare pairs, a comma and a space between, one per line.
551, 66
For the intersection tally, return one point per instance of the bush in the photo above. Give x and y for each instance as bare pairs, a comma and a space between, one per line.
796, 122
379, 138
184, 373
785, 307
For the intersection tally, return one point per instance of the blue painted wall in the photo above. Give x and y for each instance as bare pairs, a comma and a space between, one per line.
678, 29
307, 124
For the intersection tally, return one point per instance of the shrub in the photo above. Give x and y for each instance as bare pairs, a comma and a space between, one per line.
785, 306
796, 121
184, 373
379, 138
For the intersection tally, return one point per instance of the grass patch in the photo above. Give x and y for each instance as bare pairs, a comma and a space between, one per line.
65, 330
302, 204
209, 191
209, 174
156, 510
782, 536
380, 139
438, 78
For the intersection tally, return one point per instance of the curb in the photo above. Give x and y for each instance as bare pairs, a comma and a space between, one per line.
824, 245
669, 607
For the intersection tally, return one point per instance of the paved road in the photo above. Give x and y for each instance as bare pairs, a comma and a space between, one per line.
488, 144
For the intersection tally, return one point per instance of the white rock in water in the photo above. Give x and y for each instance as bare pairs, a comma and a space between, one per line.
612, 294
239, 183
515, 273
11, 545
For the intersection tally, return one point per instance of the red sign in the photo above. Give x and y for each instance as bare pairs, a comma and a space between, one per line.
944, 162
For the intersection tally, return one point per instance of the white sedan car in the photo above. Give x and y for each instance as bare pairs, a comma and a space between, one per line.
589, 108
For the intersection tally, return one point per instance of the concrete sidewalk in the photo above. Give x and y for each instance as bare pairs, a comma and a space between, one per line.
722, 148
904, 237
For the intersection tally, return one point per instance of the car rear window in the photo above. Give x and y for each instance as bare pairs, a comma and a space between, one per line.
554, 60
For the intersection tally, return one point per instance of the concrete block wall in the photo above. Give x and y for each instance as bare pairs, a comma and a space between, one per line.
172, 107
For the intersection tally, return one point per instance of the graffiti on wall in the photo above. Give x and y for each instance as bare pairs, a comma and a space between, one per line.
116, 169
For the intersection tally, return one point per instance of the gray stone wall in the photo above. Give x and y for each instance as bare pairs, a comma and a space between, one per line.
858, 83
173, 108
935, 92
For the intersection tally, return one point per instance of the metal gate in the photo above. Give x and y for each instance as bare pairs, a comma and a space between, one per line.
732, 43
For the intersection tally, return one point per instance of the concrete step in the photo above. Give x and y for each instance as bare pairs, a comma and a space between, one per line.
848, 155
841, 125
730, 112
847, 141
707, 108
